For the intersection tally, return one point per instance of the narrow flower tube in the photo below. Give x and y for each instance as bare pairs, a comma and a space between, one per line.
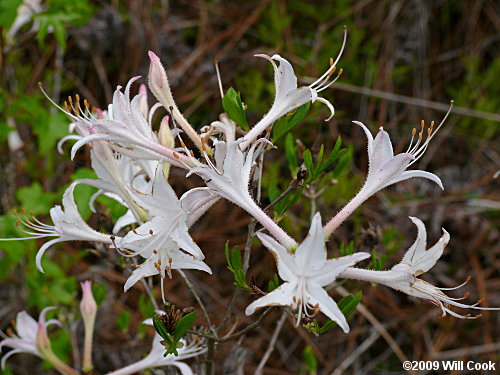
88, 308
385, 168
158, 83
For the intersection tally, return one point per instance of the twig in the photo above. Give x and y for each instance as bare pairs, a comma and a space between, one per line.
344, 365
412, 101
198, 299
150, 294
272, 343
379, 327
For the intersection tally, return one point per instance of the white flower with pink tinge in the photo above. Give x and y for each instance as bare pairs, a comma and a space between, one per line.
306, 272
27, 329
416, 261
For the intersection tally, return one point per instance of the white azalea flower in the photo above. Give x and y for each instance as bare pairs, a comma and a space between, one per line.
32, 338
160, 239
288, 96
230, 179
26, 329
305, 273
385, 168
155, 357
416, 261
68, 226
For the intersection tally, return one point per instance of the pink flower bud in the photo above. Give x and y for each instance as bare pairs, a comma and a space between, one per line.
88, 306
158, 82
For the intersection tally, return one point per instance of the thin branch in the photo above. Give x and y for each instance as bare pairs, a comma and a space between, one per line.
272, 343
198, 299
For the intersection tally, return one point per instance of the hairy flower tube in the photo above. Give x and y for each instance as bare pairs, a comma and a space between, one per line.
288, 96
385, 168
68, 226
416, 261
306, 272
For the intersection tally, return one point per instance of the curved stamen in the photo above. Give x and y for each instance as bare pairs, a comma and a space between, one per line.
333, 64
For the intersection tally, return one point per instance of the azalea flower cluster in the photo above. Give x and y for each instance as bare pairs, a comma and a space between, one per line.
132, 163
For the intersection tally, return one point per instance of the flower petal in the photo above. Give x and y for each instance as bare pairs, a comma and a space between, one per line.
417, 173
287, 81
368, 134
333, 267
311, 253
281, 296
382, 150
287, 269
327, 305
41, 251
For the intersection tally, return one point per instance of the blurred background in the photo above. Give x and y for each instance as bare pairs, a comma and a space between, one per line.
404, 61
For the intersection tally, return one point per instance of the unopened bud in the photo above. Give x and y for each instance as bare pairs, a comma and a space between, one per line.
158, 82
88, 308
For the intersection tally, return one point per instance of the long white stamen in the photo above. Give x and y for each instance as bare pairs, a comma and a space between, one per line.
216, 63
332, 66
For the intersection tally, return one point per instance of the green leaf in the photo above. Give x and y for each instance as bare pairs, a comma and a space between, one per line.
33, 198
273, 283
123, 320
161, 329
334, 155
291, 154
309, 359
183, 325
307, 156
347, 305
288, 122
8, 11
236, 259
233, 106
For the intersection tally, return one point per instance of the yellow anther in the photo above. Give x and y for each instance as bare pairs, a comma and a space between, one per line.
17, 223
420, 135
155, 251
331, 61
294, 299
332, 71
70, 99
176, 155
133, 264
170, 260
77, 98
151, 232
467, 294
429, 130
414, 131
422, 124
432, 124
468, 279
127, 251
134, 231
23, 211
159, 262
481, 300
15, 212
340, 72
479, 315
468, 316
9, 331
86, 103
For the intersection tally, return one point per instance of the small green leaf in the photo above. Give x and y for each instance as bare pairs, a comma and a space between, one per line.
310, 360
307, 156
183, 325
273, 283
233, 106
161, 329
347, 305
291, 154
288, 122
123, 320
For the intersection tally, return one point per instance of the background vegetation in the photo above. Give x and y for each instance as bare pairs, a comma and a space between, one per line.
404, 61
